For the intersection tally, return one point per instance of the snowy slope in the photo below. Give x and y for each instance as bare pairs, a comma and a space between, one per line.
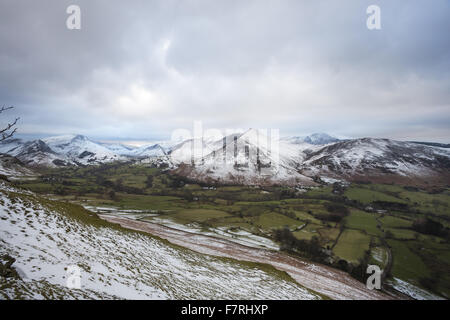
184, 152
298, 161
34, 153
81, 149
367, 156
118, 148
58, 151
314, 139
154, 150
256, 161
247, 158
11, 167
147, 150
9, 145
320, 139
45, 238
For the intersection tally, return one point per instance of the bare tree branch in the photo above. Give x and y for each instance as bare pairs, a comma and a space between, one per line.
3, 108
10, 129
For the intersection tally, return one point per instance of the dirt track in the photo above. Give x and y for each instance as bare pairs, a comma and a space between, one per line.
328, 281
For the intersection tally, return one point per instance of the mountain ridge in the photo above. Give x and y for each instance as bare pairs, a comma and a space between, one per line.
248, 157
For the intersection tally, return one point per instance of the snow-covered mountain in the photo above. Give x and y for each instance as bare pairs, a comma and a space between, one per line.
77, 150
33, 153
247, 158
119, 148
379, 159
154, 154
251, 157
81, 149
315, 139
147, 151
58, 151
320, 139
156, 149
11, 167
241, 158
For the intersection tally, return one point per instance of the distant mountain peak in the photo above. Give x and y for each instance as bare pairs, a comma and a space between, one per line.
320, 138
248, 157
80, 137
37, 146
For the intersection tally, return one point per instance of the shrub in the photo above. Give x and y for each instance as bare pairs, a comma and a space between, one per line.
336, 213
310, 249
428, 226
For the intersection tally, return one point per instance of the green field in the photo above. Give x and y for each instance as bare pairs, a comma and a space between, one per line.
307, 232
363, 221
352, 245
273, 220
306, 217
198, 215
367, 196
407, 265
403, 234
375, 212
395, 222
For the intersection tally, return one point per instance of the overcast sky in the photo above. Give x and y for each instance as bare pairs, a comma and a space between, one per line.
139, 69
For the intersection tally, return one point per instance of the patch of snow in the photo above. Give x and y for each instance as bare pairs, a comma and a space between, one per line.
413, 291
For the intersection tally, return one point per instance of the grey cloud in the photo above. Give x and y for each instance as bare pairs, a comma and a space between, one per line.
139, 69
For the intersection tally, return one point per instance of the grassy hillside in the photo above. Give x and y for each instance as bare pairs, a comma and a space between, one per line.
46, 236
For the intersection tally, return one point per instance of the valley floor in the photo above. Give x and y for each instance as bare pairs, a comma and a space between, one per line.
343, 226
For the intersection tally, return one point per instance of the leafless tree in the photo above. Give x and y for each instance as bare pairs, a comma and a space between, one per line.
10, 129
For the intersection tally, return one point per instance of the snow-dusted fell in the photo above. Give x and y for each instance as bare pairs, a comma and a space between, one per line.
370, 158
9, 145
251, 157
320, 139
80, 149
11, 167
33, 153
119, 148
314, 139
154, 150
58, 151
248, 158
